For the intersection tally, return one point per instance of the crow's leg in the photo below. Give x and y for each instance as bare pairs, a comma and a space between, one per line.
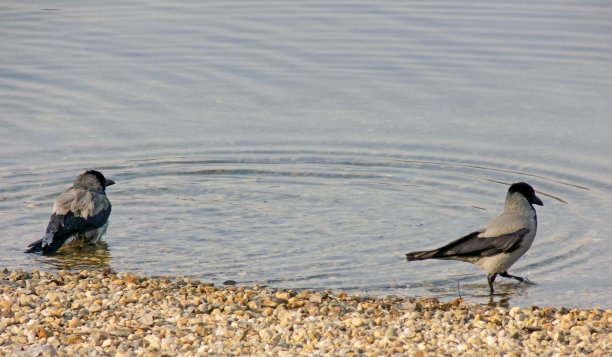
522, 280
491, 279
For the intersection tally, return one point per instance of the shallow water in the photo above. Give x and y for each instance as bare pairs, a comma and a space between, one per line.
310, 145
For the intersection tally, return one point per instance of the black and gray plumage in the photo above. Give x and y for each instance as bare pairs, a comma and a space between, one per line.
500, 243
79, 214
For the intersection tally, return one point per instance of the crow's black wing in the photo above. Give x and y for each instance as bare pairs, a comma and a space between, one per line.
69, 224
62, 227
473, 246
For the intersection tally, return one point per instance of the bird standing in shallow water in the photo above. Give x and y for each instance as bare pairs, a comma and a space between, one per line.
79, 213
501, 242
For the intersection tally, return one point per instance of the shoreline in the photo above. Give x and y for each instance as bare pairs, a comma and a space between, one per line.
101, 313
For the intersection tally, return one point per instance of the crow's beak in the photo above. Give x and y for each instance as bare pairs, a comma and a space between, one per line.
109, 182
537, 201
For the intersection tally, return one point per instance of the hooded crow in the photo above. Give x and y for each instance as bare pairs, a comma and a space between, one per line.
79, 213
501, 242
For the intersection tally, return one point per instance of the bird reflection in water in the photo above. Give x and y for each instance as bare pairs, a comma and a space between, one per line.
472, 292
80, 256
502, 297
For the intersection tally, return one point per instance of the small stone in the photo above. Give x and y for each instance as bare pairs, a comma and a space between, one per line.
95, 308
391, 333
315, 297
266, 334
74, 322
201, 330
6, 304
514, 311
480, 324
254, 305
73, 339
166, 343
270, 302
283, 295
51, 312
154, 341
49, 350
42, 332
356, 321
146, 320
457, 302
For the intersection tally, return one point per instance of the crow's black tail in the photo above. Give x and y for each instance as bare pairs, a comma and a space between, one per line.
35, 247
54, 245
48, 244
422, 255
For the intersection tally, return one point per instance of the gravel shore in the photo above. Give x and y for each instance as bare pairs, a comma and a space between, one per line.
105, 314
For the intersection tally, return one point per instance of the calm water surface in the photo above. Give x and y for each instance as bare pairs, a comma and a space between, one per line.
312, 144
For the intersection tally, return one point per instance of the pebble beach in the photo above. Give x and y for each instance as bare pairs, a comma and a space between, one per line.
100, 313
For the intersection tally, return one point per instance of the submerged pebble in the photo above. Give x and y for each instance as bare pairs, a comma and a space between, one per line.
101, 313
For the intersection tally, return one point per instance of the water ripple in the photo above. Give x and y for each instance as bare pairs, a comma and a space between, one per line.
306, 218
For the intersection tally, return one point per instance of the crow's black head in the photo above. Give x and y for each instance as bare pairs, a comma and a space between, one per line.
527, 191
103, 180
